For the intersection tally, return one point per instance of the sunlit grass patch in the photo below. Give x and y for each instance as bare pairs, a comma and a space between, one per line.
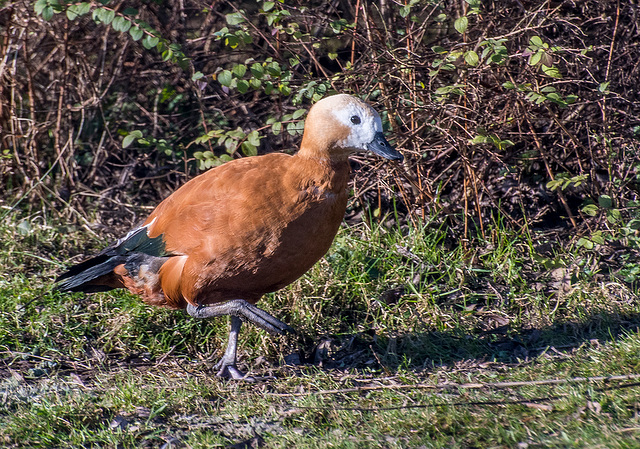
405, 339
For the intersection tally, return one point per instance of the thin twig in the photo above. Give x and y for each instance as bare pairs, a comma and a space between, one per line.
466, 386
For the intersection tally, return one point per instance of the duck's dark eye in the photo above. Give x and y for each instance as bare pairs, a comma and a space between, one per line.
355, 120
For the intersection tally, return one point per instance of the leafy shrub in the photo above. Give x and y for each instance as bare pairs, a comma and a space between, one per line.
496, 105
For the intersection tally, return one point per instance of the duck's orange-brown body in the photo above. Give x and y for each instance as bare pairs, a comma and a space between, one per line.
246, 228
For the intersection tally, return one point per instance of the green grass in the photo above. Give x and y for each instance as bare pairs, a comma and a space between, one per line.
406, 340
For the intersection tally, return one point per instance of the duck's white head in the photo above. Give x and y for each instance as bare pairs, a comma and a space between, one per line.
339, 125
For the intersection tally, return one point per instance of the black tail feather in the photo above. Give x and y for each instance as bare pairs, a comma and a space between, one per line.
132, 250
78, 277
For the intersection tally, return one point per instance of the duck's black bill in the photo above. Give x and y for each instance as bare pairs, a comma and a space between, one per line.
381, 147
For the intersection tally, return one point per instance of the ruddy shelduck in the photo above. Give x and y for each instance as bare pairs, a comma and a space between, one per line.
243, 229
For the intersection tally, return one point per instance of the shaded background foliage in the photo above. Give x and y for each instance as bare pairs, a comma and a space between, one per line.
520, 111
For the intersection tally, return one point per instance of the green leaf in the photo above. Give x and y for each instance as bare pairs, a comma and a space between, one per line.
478, 140
614, 216
150, 41
284, 89
257, 70
231, 145
471, 58
254, 138
276, 128
74, 11
504, 144
590, 209
298, 113
221, 32
47, 12
47, 8
508, 85
243, 86
129, 138
102, 15
197, 76
231, 40
274, 69
83, 8
39, 6
239, 70
136, 33
249, 149
586, 243
597, 237
338, 25
498, 58
536, 41
267, 6
130, 12
121, 24
551, 71
553, 185
461, 24
225, 77
535, 58
553, 96
234, 18
605, 201
246, 37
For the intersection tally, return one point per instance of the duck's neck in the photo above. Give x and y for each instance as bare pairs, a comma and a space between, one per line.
325, 169
323, 153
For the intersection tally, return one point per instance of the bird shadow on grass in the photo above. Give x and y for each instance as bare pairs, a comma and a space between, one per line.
421, 351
